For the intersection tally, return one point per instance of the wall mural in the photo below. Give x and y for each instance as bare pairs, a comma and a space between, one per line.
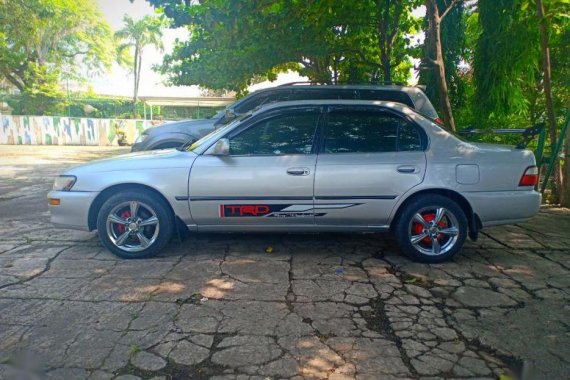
55, 130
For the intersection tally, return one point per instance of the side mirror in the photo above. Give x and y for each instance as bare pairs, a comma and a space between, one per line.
229, 115
220, 148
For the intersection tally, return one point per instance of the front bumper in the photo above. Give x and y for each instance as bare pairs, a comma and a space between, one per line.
504, 207
73, 210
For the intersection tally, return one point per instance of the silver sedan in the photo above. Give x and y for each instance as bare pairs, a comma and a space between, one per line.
306, 166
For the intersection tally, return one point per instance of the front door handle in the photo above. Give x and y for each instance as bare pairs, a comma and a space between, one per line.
406, 169
298, 171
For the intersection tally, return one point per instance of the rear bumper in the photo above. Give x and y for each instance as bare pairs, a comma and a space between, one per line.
504, 207
73, 211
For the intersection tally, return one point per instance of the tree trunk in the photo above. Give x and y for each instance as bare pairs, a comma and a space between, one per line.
320, 72
565, 193
139, 72
546, 72
135, 75
138, 81
387, 35
385, 59
435, 57
14, 80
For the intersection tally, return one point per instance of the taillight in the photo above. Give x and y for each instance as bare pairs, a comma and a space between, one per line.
439, 120
529, 177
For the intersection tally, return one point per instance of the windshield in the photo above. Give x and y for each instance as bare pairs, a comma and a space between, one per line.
216, 134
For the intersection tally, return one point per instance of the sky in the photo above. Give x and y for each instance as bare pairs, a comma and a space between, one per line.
119, 81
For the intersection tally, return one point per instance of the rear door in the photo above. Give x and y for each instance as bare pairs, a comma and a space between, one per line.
267, 180
369, 157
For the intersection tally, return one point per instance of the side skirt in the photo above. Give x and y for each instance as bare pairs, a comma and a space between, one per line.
287, 228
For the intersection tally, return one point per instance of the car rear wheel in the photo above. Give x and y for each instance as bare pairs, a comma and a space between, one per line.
431, 229
135, 224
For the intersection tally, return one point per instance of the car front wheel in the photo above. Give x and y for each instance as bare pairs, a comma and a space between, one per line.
134, 224
431, 229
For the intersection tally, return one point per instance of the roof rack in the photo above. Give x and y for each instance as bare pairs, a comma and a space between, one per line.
344, 82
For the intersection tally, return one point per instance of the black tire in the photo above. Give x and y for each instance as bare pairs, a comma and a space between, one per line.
425, 250
149, 206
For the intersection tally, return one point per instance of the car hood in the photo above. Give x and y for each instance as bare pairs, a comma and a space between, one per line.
154, 159
194, 127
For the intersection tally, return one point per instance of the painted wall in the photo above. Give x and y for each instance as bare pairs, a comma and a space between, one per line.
55, 130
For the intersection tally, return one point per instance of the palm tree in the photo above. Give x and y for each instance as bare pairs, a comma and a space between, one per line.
135, 35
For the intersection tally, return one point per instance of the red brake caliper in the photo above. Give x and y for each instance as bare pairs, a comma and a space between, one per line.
125, 214
419, 229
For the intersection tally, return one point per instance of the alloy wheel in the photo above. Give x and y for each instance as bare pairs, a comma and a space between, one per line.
132, 226
433, 231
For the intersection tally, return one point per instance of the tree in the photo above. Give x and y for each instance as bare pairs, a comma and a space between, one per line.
393, 20
512, 73
135, 35
505, 59
434, 57
455, 52
41, 38
328, 41
547, 81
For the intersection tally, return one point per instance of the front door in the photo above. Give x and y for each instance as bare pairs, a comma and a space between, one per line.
266, 180
369, 157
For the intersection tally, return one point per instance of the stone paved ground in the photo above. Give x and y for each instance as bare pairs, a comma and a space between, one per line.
319, 306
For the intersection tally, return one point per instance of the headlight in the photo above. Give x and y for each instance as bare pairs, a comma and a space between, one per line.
141, 138
64, 182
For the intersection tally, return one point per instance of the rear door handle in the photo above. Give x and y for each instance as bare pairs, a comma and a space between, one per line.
298, 171
406, 169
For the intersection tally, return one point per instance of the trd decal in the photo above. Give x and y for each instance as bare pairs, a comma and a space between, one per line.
232, 211
277, 211
240, 211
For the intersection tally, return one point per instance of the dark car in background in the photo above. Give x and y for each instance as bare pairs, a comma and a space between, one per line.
175, 134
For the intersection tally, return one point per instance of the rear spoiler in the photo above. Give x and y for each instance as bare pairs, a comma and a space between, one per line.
527, 134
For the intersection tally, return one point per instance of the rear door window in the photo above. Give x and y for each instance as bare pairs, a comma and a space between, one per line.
369, 131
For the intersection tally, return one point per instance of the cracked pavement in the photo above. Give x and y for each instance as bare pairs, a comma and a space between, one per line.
326, 306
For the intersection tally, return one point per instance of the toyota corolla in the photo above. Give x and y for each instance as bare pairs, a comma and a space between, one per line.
306, 166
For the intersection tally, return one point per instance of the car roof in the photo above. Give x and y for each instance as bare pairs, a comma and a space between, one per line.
332, 102
342, 87
418, 98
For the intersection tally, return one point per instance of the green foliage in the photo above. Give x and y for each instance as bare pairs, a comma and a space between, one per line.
506, 60
508, 77
105, 107
455, 51
40, 39
136, 34
43, 40
132, 38
331, 40
558, 14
